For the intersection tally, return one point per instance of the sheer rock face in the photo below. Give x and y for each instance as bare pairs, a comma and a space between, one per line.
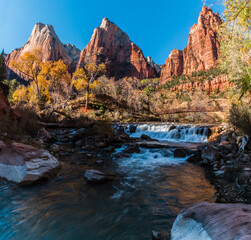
202, 50
203, 45
43, 37
109, 44
207, 221
173, 65
73, 52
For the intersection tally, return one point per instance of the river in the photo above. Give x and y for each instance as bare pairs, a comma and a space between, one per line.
153, 187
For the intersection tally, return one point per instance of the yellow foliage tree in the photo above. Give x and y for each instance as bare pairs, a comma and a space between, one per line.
29, 64
58, 80
84, 79
20, 95
50, 82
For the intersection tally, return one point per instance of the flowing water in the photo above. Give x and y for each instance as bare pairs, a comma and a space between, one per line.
154, 186
169, 131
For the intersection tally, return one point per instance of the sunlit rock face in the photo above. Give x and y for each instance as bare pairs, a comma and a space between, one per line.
44, 38
173, 65
219, 83
153, 64
123, 58
203, 45
202, 50
74, 54
208, 221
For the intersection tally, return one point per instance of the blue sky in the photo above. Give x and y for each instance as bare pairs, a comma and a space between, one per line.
156, 26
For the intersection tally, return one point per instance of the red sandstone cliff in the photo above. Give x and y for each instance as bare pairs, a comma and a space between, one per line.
173, 65
202, 50
43, 37
219, 83
123, 58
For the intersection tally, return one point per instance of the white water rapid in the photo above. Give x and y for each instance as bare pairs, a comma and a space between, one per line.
169, 132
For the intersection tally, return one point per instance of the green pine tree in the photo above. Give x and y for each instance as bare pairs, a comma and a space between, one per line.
2, 67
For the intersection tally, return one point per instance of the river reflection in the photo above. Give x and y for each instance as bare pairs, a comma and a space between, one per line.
68, 208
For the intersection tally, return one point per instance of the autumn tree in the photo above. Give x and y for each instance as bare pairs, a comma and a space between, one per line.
50, 82
2, 67
84, 79
29, 65
20, 95
57, 83
235, 50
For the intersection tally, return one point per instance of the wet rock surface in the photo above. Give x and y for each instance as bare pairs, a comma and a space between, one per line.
213, 221
228, 167
25, 164
95, 176
160, 236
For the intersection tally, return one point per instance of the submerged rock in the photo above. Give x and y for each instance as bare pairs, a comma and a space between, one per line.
160, 236
96, 176
208, 221
25, 164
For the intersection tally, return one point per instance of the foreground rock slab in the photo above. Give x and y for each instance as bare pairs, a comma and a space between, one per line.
208, 221
25, 164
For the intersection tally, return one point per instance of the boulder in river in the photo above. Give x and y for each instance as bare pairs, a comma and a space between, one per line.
180, 153
210, 153
132, 149
25, 164
208, 221
160, 236
96, 176
145, 137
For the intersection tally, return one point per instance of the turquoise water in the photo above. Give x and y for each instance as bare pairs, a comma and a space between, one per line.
144, 199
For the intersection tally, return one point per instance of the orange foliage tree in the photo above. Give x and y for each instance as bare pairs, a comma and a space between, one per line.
59, 82
84, 79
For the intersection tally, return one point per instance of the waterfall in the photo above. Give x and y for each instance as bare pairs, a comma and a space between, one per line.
168, 131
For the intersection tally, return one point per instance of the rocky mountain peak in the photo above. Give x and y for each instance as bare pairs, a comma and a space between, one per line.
44, 37
106, 23
202, 50
111, 45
